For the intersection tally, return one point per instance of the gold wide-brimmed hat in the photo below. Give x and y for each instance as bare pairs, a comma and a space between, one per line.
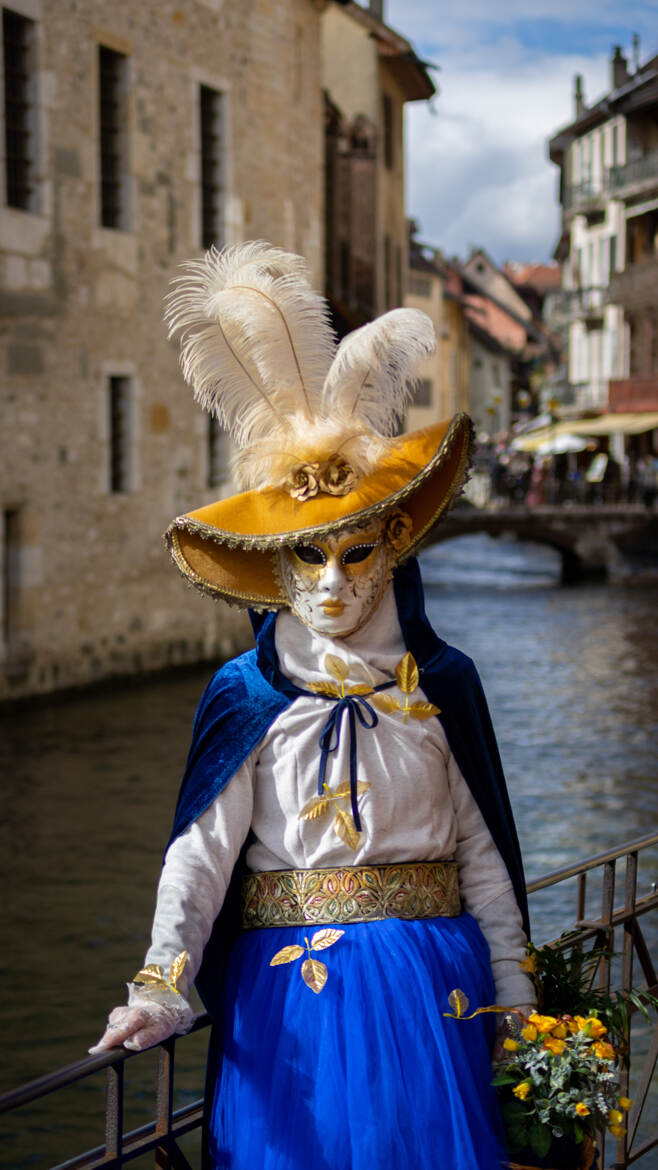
311, 422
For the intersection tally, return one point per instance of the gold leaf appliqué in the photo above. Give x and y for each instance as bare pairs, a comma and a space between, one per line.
315, 808
336, 667
329, 689
458, 1001
152, 974
287, 955
325, 938
314, 974
406, 673
386, 703
344, 789
345, 828
422, 710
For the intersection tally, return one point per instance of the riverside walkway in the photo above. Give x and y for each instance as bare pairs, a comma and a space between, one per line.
614, 902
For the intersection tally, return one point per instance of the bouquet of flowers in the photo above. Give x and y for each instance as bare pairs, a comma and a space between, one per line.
559, 1084
559, 1078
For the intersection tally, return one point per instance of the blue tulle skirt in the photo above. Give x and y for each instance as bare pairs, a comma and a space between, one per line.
367, 1074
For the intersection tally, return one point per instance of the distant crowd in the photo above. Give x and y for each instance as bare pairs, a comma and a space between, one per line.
502, 475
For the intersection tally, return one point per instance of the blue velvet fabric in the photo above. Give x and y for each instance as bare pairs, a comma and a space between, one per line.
451, 681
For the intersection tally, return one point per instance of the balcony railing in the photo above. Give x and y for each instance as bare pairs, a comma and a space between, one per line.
638, 172
160, 1137
636, 286
579, 303
585, 196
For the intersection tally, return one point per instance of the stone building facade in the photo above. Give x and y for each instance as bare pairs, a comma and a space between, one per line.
370, 73
137, 134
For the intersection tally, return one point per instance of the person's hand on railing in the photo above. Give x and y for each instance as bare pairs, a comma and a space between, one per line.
149, 1017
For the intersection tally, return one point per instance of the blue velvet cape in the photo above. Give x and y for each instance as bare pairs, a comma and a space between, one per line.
244, 698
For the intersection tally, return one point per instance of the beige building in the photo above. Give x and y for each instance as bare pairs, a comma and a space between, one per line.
370, 72
138, 134
425, 283
608, 161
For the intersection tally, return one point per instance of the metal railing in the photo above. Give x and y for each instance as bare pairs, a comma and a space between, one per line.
637, 170
160, 1136
602, 929
575, 303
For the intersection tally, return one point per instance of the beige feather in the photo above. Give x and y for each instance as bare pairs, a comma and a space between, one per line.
372, 374
256, 340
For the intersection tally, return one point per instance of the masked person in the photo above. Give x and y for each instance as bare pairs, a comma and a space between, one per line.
343, 796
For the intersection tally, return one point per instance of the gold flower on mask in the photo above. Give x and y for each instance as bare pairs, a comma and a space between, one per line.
336, 477
397, 530
302, 482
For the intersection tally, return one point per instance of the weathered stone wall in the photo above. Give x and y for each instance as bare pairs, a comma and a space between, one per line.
89, 588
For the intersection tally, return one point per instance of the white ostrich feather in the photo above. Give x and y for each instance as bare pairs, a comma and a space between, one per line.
372, 375
268, 461
256, 339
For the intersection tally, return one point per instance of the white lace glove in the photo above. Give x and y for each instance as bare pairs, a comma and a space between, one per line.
150, 1016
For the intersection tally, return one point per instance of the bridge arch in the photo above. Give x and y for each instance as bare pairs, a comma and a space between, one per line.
594, 541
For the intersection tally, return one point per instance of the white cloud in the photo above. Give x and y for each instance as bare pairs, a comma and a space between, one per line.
478, 170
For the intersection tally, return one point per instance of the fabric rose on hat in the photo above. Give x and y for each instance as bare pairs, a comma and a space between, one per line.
336, 477
398, 530
302, 483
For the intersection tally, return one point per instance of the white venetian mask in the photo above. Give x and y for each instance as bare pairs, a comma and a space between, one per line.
335, 585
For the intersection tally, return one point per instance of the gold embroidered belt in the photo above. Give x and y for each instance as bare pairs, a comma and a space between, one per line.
353, 893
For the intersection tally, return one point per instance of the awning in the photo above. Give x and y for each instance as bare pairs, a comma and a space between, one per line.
605, 424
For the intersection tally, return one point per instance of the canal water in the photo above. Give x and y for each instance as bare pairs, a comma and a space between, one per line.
90, 782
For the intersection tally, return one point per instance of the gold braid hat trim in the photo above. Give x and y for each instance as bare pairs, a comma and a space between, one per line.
352, 893
216, 555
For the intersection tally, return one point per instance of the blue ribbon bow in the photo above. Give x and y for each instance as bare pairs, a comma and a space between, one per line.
357, 707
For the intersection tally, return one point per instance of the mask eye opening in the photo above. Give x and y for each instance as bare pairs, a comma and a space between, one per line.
310, 554
357, 553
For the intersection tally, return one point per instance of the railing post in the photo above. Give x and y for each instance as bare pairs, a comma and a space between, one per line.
582, 898
164, 1103
114, 1113
607, 911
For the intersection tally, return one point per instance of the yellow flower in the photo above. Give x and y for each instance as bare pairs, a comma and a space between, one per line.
560, 1031
625, 1103
580, 1021
543, 1023
521, 1091
529, 1032
510, 1045
617, 1130
571, 1024
582, 1110
529, 965
554, 1046
615, 1117
594, 1027
604, 1051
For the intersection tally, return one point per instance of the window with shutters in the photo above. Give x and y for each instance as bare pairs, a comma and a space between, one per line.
114, 141
213, 166
120, 434
20, 109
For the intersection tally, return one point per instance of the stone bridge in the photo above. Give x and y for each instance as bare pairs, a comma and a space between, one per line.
594, 540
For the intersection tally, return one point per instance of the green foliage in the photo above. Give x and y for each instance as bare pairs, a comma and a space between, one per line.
564, 979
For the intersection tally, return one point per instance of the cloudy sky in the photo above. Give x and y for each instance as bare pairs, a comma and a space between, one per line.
477, 165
